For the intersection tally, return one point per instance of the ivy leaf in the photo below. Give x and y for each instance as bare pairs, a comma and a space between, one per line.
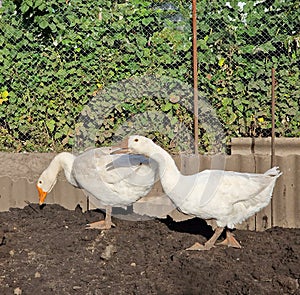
231, 118
166, 107
3, 96
51, 125
221, 61
147, 21
43, 24
24, 7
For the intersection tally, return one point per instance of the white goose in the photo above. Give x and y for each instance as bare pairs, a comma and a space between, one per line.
132, 178
226, 196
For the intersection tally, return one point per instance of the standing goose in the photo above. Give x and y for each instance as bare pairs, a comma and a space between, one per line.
132, 178
226, 196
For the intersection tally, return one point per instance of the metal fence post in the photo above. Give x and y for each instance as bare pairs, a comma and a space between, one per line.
195, 76
273, 131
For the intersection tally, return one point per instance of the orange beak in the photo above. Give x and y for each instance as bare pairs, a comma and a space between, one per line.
42, 195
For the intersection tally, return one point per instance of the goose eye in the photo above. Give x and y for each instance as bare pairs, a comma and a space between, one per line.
40, 181
136, 140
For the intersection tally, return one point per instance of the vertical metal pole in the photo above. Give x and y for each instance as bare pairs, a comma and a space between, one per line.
273, 119
195, 76
273, 134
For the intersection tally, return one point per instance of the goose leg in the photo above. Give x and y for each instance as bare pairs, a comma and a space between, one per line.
209, 244
102, 224
230, 241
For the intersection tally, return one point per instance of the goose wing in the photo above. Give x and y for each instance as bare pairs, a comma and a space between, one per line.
90, 167
239, 187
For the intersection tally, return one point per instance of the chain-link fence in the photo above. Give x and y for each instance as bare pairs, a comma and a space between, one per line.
76, 74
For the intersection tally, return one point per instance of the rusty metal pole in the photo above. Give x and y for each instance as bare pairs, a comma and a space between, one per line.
195, 75
273, 119
273, 133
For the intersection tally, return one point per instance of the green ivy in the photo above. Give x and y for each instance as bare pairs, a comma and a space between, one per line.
55, 56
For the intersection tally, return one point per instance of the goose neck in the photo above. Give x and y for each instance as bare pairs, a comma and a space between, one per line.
63, 161
168, 171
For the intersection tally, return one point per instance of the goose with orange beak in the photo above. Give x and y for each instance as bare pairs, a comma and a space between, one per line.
131, 179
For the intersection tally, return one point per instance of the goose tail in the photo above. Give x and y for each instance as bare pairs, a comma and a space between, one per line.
275, 172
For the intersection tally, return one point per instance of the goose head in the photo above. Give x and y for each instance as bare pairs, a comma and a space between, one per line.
45, 184
136, 144
48, 178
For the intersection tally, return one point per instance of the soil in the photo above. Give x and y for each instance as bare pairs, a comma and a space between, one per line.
49, 251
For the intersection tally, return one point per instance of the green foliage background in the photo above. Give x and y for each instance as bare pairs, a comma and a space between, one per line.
55, 56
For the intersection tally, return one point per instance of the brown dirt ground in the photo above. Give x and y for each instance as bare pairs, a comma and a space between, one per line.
49, 251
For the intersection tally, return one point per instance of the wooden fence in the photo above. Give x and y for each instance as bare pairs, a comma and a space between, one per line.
19, 173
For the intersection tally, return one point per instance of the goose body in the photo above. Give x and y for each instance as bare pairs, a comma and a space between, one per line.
226, 196
132, 178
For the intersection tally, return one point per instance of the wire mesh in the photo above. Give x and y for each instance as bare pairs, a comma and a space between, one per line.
70, 67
